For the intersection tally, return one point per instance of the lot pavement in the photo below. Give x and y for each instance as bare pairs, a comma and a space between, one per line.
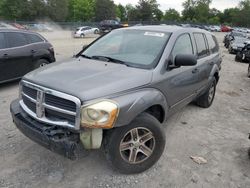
218, 134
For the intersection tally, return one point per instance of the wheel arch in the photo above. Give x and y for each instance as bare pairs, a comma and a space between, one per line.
132, 105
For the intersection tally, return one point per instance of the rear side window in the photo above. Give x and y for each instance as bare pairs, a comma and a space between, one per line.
2, 41
212, 43
34, 38
16, 39
201, 44
183, 45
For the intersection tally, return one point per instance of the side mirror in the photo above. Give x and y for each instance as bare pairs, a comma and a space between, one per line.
185, 60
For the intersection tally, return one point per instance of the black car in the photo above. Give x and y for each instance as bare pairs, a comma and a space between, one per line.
237, 44
109, 25
22, 52
244, 54
231, 36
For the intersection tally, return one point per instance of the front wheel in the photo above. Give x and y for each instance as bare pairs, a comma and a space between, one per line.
136, 147
206, 100
238, 57
41, 63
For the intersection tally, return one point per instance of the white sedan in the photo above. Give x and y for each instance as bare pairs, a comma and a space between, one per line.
85, 30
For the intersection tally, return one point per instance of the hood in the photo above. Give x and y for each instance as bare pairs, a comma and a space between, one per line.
89, 79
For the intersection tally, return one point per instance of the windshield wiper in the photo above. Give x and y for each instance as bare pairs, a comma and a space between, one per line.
85, 56
110, 59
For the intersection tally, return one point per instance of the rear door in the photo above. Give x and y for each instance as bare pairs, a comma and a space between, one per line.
18, 54
204, 63
4, 68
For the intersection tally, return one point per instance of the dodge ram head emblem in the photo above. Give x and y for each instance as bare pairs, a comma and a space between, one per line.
39, 104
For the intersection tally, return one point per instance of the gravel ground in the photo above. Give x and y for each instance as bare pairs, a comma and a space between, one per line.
218, 134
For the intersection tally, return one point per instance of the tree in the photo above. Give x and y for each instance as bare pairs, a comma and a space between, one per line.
243, 15
104, 10
81, 10
57, 9
172, 15
121, 12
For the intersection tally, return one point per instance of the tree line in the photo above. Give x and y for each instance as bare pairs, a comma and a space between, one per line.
194, 11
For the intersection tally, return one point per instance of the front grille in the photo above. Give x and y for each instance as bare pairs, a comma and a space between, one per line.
30, 92
31, 105
60, 102
50, 106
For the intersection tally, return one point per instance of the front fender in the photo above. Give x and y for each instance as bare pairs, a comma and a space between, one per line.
134, 103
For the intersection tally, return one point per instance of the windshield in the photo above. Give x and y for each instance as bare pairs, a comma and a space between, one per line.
136, 48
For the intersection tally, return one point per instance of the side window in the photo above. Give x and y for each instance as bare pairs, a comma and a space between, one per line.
183, 45
2, 41
35, 38
16, 39
216, 44
201, 44
212, 43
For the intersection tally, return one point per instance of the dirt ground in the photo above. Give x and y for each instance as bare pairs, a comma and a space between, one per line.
219, 134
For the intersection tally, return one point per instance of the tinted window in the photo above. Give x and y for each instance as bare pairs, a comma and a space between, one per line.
201, 44
16, 39
2, 41
183, 45
34, 38
212, 43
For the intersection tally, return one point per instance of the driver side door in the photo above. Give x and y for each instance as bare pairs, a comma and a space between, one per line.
181, 83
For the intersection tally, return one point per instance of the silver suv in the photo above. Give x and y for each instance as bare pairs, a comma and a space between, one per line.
118, 92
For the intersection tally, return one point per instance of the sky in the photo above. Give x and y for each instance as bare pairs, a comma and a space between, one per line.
177, 4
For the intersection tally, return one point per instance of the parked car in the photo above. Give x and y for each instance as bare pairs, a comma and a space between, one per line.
244, 54
226, 28
19, 26
119, 92
6, 26
230, 37
237, 44
22, 52
85, 30
215, 28
109, 25
39, 28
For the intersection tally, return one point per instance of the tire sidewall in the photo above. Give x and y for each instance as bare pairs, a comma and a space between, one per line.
40, 62
146, 121
248, 72
213, 84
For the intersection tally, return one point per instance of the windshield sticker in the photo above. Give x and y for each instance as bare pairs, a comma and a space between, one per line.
154, 34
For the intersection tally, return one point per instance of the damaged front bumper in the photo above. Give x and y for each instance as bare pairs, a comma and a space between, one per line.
57, 139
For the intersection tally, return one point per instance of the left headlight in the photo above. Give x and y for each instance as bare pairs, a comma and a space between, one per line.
99, 115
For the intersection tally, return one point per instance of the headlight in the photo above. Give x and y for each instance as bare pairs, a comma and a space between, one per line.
99, 115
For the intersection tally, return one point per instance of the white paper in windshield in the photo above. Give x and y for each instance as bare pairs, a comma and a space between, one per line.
154, 34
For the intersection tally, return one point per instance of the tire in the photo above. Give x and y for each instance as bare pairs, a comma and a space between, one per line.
206, 100
122, 159
248, 72
41, 63
238, 57
96, 32
82, 35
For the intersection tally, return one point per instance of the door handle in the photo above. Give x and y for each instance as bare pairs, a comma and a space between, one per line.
6, 56
195, 70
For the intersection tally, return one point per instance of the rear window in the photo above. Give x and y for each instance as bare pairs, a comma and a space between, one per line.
2, 41
16, 39
201, 44
212, 43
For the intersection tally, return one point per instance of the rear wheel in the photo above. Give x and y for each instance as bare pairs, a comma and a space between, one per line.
206, 100
82, 35
136, 147
41, 63
96, 31
238, 57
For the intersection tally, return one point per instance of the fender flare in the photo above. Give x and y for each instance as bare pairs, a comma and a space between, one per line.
134, 103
